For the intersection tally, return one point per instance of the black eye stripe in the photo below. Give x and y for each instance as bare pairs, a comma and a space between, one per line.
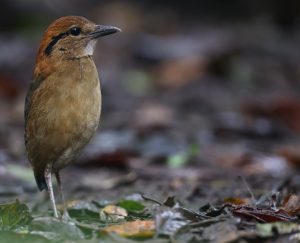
52, 43
73, 31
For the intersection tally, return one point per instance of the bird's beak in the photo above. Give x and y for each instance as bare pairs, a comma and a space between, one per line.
102, 30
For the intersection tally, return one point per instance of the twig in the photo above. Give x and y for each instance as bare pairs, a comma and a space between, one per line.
248, 188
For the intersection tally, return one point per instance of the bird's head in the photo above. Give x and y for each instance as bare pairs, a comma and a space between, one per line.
69, 37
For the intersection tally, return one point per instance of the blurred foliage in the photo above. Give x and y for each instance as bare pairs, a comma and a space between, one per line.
14, 216
181, 159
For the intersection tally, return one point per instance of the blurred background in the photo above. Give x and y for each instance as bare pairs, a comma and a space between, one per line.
195, 93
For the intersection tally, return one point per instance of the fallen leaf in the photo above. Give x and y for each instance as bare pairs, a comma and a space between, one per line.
237, 201
284, 109
9, 236
262, 215
169, 221
278, 228
134, 229
55, 229
221, 232
113, 213
291, 205
131, 205
14, 215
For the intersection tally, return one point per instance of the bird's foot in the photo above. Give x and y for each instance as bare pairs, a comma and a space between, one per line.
66, 217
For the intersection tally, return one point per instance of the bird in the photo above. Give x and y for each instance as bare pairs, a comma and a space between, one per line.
63, 101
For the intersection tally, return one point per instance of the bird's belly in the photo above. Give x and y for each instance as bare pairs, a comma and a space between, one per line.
79, 120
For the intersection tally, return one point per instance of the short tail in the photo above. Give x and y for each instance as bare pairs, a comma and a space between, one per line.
40, 181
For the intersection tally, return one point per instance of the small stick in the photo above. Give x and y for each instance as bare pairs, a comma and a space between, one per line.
248, 188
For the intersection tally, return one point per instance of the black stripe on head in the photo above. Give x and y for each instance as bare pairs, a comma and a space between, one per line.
54, 40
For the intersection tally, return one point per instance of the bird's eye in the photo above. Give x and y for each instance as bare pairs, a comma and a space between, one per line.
75, 31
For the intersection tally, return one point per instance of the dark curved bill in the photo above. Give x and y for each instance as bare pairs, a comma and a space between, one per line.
102, 30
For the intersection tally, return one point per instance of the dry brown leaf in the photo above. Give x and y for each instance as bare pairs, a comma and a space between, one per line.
237, 201
253, 213
291, 205
136, 229
283, 108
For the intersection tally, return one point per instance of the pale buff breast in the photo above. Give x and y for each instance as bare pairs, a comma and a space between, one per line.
68, 116
83, 111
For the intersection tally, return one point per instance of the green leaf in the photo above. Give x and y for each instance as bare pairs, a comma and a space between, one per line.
13, 237
14, 215
84, 215
55, 229
131, 206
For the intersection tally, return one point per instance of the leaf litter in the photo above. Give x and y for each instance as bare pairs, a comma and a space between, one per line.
149, 219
